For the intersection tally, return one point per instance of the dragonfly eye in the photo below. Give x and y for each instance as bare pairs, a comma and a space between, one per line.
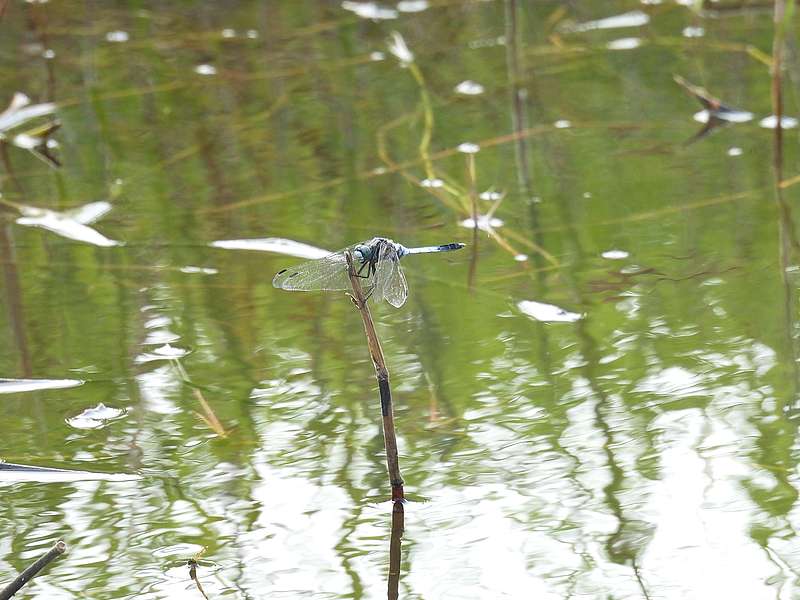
363, 252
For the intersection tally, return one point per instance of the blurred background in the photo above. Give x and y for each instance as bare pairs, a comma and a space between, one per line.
596, 398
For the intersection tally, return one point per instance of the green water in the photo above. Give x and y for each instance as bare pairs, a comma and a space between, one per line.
639, 443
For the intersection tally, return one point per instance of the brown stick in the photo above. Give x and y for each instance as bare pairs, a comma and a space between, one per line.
57, 550
382, 375
395, 550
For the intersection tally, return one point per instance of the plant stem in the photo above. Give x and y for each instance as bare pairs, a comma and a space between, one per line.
382, 375
57, 550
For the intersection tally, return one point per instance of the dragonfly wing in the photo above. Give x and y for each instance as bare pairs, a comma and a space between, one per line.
327, 273
390, 282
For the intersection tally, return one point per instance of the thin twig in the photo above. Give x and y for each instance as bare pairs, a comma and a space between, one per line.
382, 375
57, 550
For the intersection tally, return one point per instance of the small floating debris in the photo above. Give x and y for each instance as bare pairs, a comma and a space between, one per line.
189, 269
485, 223
398, 47
491, 195
469, 88
252, 34
15, 386
735, 151
547, 313
96, 417
377, 56
468, 148
412, 6
432, 183
370, 10
562, 124
520, 257
117, 37
771, 122
628, 43
165, 352
49, 54
277, 245
634, 18
693, 32
228, 33
205, 69
615, 254
72, 224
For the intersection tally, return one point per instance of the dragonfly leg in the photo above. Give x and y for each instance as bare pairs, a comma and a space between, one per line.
364, 265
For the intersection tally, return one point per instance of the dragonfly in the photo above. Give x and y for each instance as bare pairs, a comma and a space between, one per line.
377, 261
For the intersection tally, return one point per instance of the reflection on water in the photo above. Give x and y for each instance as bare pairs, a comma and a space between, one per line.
596, 398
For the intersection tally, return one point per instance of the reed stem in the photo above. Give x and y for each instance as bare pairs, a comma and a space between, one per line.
382, 375
57, 550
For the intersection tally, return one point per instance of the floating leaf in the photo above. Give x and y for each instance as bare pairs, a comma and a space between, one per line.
70, 224
635, 18
117, 37
10, 472
547, 313
20, 111
628, 43
370, 10
412, 6
615, 254
468, 148
96, 417
277, 245
89, 213
165, 352
469, 88
14, 386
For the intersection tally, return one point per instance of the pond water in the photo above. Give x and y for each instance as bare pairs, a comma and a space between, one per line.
596, 398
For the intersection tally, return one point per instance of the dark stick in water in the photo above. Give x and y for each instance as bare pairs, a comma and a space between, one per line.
57, 550
382, 375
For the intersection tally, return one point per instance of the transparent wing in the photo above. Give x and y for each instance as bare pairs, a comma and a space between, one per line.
327, 273
390, 283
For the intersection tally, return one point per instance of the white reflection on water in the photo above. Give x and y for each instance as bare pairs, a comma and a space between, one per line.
702, 546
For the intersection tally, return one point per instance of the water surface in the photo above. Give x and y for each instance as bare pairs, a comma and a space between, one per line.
597, 398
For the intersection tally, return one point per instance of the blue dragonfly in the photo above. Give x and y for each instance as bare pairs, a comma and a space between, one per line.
377, 261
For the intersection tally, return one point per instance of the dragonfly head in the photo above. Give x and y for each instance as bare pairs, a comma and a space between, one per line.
371, 250
363, 252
